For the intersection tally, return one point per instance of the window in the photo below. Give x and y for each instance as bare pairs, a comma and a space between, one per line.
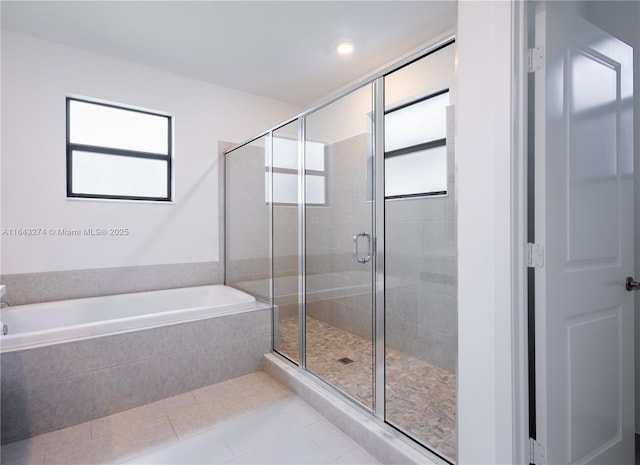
285, 172
117, 153
415, 148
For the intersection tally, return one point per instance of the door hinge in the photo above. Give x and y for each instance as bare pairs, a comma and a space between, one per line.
536, 59
535, 255
536, 453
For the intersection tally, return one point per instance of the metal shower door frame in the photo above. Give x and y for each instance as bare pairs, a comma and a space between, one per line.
376, 79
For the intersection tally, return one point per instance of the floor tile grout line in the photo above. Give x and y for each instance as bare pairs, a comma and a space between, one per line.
150, 449
173, 428
151, 418
265, 402
228, 447
290, 433
216, 424
206, 429
311, 437
339, 457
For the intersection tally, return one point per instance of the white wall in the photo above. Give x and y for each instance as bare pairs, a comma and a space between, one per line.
37, 75
483, 164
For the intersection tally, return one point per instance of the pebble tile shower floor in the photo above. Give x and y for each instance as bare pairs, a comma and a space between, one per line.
420, 397
247, 420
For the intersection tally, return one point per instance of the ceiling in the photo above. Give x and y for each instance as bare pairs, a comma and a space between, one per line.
278, 49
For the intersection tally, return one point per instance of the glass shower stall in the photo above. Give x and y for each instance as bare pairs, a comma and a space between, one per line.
344, 219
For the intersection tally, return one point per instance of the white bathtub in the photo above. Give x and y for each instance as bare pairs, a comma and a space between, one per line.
73, 361
48, 323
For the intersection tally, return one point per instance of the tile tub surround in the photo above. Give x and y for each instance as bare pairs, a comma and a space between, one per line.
52, 387
29, 288
248, 419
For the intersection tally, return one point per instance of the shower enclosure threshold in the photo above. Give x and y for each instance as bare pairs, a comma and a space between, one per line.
379, 439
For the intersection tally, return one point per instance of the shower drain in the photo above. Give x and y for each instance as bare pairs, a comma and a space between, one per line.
345, 360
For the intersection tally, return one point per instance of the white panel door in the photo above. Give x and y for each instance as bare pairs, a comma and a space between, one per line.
584, 221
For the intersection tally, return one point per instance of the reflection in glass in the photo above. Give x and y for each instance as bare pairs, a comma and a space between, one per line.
315, 189
314, 156
420, 122
285, 188
285, 152
421, 172
285, 171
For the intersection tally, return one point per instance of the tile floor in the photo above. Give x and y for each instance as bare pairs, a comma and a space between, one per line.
247, 420
420, 397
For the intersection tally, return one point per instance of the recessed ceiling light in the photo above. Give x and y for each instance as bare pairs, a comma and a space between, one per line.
344, 47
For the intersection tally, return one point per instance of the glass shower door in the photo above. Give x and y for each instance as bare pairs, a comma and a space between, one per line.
247, 261
286, 269
421, 253
338, 216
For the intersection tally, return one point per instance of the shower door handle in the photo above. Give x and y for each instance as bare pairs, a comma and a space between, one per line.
356, 254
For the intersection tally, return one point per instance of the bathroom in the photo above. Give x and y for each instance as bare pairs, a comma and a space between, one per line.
194, 241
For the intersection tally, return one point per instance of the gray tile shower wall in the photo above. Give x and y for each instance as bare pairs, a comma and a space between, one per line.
420, 258
421, 261
339, 288
52, 387
248, 266
28, 288
421, 272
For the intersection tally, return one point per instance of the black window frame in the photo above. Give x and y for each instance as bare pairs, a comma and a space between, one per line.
416, 148
108, 151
